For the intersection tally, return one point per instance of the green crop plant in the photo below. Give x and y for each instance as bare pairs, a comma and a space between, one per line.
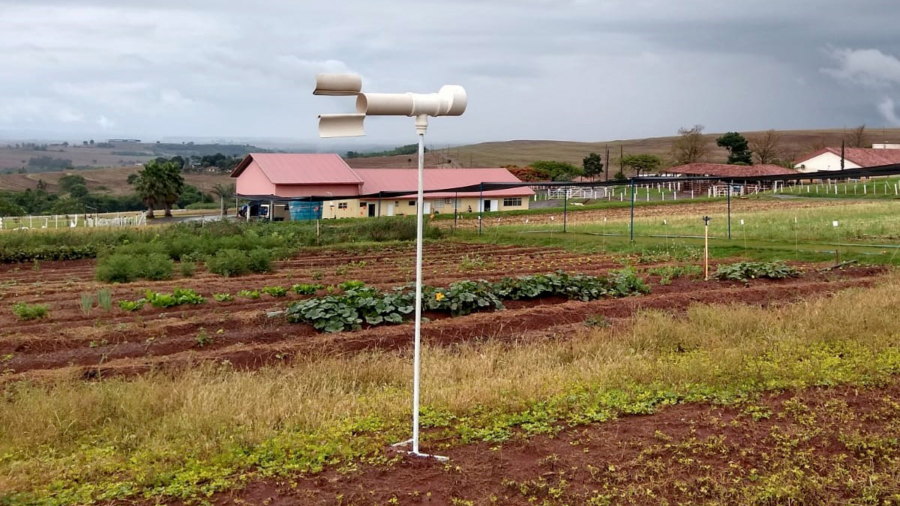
132, 305
204, 339
351, 285
104, 299
249, 294
306, 289
87, 303
30, 311
745, 271
178, 297
275, 291
223, 297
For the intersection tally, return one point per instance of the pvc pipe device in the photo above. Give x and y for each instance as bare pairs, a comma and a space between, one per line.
450, 100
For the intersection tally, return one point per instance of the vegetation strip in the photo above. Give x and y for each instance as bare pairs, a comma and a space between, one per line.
188, 435
361, 304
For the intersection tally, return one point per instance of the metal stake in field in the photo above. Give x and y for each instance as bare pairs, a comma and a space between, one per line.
706, 248
451, 100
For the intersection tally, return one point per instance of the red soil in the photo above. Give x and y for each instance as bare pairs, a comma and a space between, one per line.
69, 343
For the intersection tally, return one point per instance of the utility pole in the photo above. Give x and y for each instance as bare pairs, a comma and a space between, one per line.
607, 162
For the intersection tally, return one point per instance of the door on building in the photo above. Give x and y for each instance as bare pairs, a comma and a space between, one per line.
487, 206
427, 207
371, 210
390, 209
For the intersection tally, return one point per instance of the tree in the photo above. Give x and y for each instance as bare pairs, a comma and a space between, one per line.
557, 171
78, 191
690, 146
224, 192
173, 185
766, 147
592, 165
857, 138
640, 163
738, 148
69, 180
158, 184
92, 142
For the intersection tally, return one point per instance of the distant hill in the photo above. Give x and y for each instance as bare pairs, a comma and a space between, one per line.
112, 181
794, 143
50, 157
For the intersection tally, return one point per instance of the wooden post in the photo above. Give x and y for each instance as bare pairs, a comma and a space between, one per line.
706, 248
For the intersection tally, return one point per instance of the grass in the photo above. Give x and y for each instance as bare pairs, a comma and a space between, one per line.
189, 434
872, 189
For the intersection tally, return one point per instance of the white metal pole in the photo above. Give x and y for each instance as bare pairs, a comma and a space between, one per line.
421, 127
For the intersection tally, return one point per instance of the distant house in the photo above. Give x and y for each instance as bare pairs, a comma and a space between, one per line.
354, 193
854, 158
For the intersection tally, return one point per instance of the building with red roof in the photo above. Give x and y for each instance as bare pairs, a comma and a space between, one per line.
368, 192
854, 158
721, 170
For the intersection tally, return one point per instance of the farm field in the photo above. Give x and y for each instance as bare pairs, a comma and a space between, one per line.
198, 353
113, 180
70, 343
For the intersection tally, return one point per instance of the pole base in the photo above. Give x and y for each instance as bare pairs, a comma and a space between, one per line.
439, 458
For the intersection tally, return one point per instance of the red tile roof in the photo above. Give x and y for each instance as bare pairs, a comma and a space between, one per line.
301, 168
864, 157
394, 180
724, 170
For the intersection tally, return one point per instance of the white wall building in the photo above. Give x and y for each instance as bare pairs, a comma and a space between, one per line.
854, 158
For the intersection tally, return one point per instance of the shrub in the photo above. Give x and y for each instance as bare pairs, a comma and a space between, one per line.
229, 262
155, 267
29, 311
306, 289
124, 268
260, 260
223, 297
745, 271
275, 291
116, 269
187, 269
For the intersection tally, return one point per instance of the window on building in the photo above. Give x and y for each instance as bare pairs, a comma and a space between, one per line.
342, 205
448, 201
362, 204
412, 202
438, 204
512, 202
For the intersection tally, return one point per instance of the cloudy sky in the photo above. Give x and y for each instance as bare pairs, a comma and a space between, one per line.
534, 69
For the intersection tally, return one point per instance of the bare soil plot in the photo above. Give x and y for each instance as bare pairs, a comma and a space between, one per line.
815, 446
70, 343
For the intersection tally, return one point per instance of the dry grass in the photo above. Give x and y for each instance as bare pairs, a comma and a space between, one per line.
205, 422
111, 180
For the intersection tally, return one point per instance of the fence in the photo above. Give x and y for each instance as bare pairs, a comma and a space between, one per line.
126, 219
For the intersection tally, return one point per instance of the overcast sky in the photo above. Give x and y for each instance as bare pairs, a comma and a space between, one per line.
585, 70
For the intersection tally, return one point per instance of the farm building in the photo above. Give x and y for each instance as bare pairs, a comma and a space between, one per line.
854, 158
323, 185
719, 174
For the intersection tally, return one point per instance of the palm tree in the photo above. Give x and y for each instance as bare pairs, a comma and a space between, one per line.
159, 183
224, 192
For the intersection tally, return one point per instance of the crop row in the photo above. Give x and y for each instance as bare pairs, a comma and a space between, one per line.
360, 304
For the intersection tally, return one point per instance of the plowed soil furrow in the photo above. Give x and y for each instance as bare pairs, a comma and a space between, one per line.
248, 339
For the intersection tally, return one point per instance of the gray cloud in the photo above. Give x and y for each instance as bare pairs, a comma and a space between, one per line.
564, 69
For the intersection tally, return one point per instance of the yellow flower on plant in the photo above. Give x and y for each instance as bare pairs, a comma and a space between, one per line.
439, 296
